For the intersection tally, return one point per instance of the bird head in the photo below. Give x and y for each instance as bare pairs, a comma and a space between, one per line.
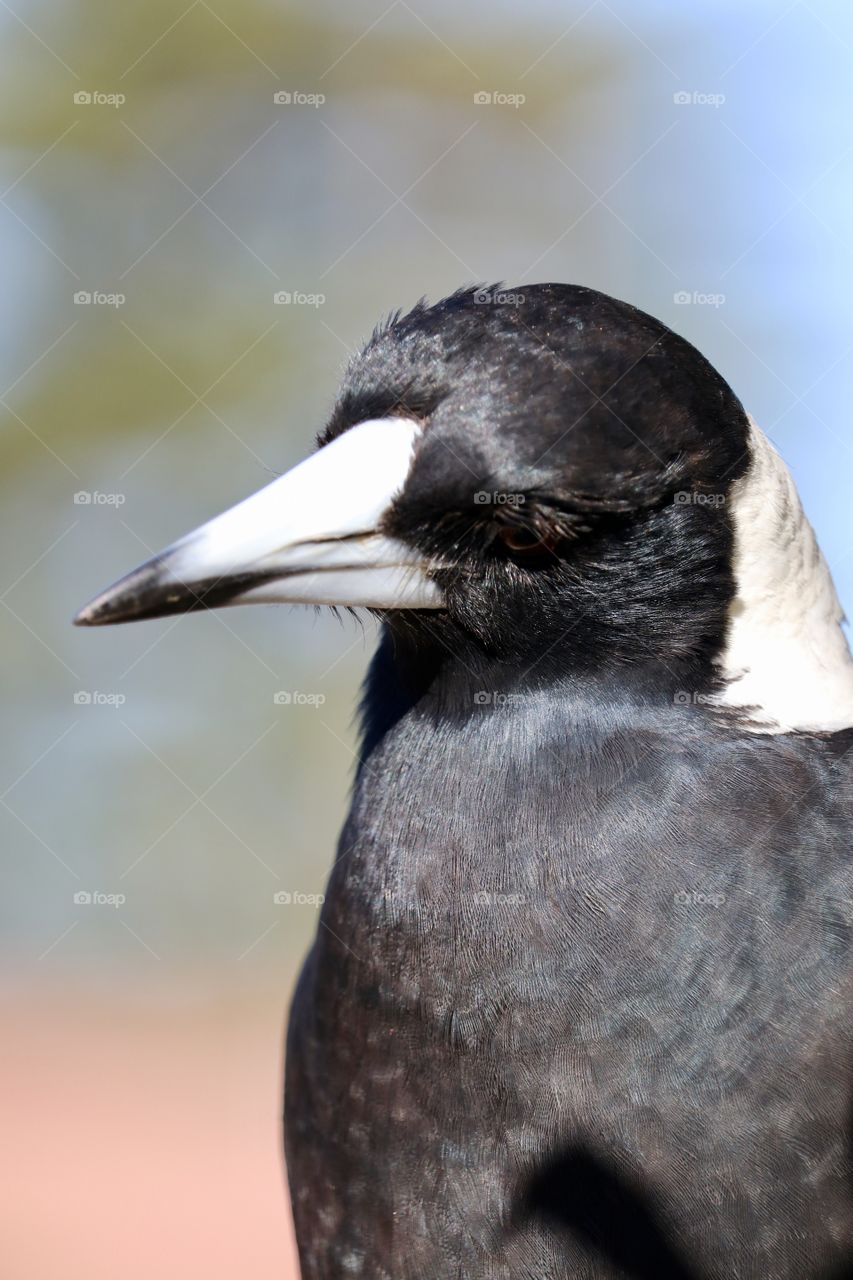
517, 466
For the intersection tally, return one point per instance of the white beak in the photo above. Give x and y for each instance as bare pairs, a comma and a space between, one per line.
310, 537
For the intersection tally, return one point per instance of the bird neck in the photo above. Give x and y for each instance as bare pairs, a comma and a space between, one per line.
786, 661
438, 676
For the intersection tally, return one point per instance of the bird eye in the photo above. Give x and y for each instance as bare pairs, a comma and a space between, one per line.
526, 543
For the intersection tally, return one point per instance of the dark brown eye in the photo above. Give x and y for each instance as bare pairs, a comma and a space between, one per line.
527, 543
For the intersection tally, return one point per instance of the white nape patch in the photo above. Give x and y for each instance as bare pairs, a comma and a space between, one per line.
786, 655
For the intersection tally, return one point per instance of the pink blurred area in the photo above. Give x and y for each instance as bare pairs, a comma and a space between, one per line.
142, 1137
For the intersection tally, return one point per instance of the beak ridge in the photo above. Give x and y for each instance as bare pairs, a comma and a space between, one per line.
310, 537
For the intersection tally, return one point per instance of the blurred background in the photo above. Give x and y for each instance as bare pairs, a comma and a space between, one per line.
203, 208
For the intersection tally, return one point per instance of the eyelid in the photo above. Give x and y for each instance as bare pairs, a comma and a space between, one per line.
542, 542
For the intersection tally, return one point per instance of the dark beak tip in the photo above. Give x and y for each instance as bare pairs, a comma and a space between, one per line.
86, 617
152, 592
97, 613
139, 594
119, 602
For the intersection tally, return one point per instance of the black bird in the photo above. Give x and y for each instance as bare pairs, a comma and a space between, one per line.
578, 1009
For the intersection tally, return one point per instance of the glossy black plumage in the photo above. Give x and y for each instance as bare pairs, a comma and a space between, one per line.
576, 1005
510, 978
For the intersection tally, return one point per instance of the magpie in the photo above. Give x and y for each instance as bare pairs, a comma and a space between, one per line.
577, 1007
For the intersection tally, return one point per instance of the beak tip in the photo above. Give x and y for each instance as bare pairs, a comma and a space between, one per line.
93, 614
118, 603
85, 617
